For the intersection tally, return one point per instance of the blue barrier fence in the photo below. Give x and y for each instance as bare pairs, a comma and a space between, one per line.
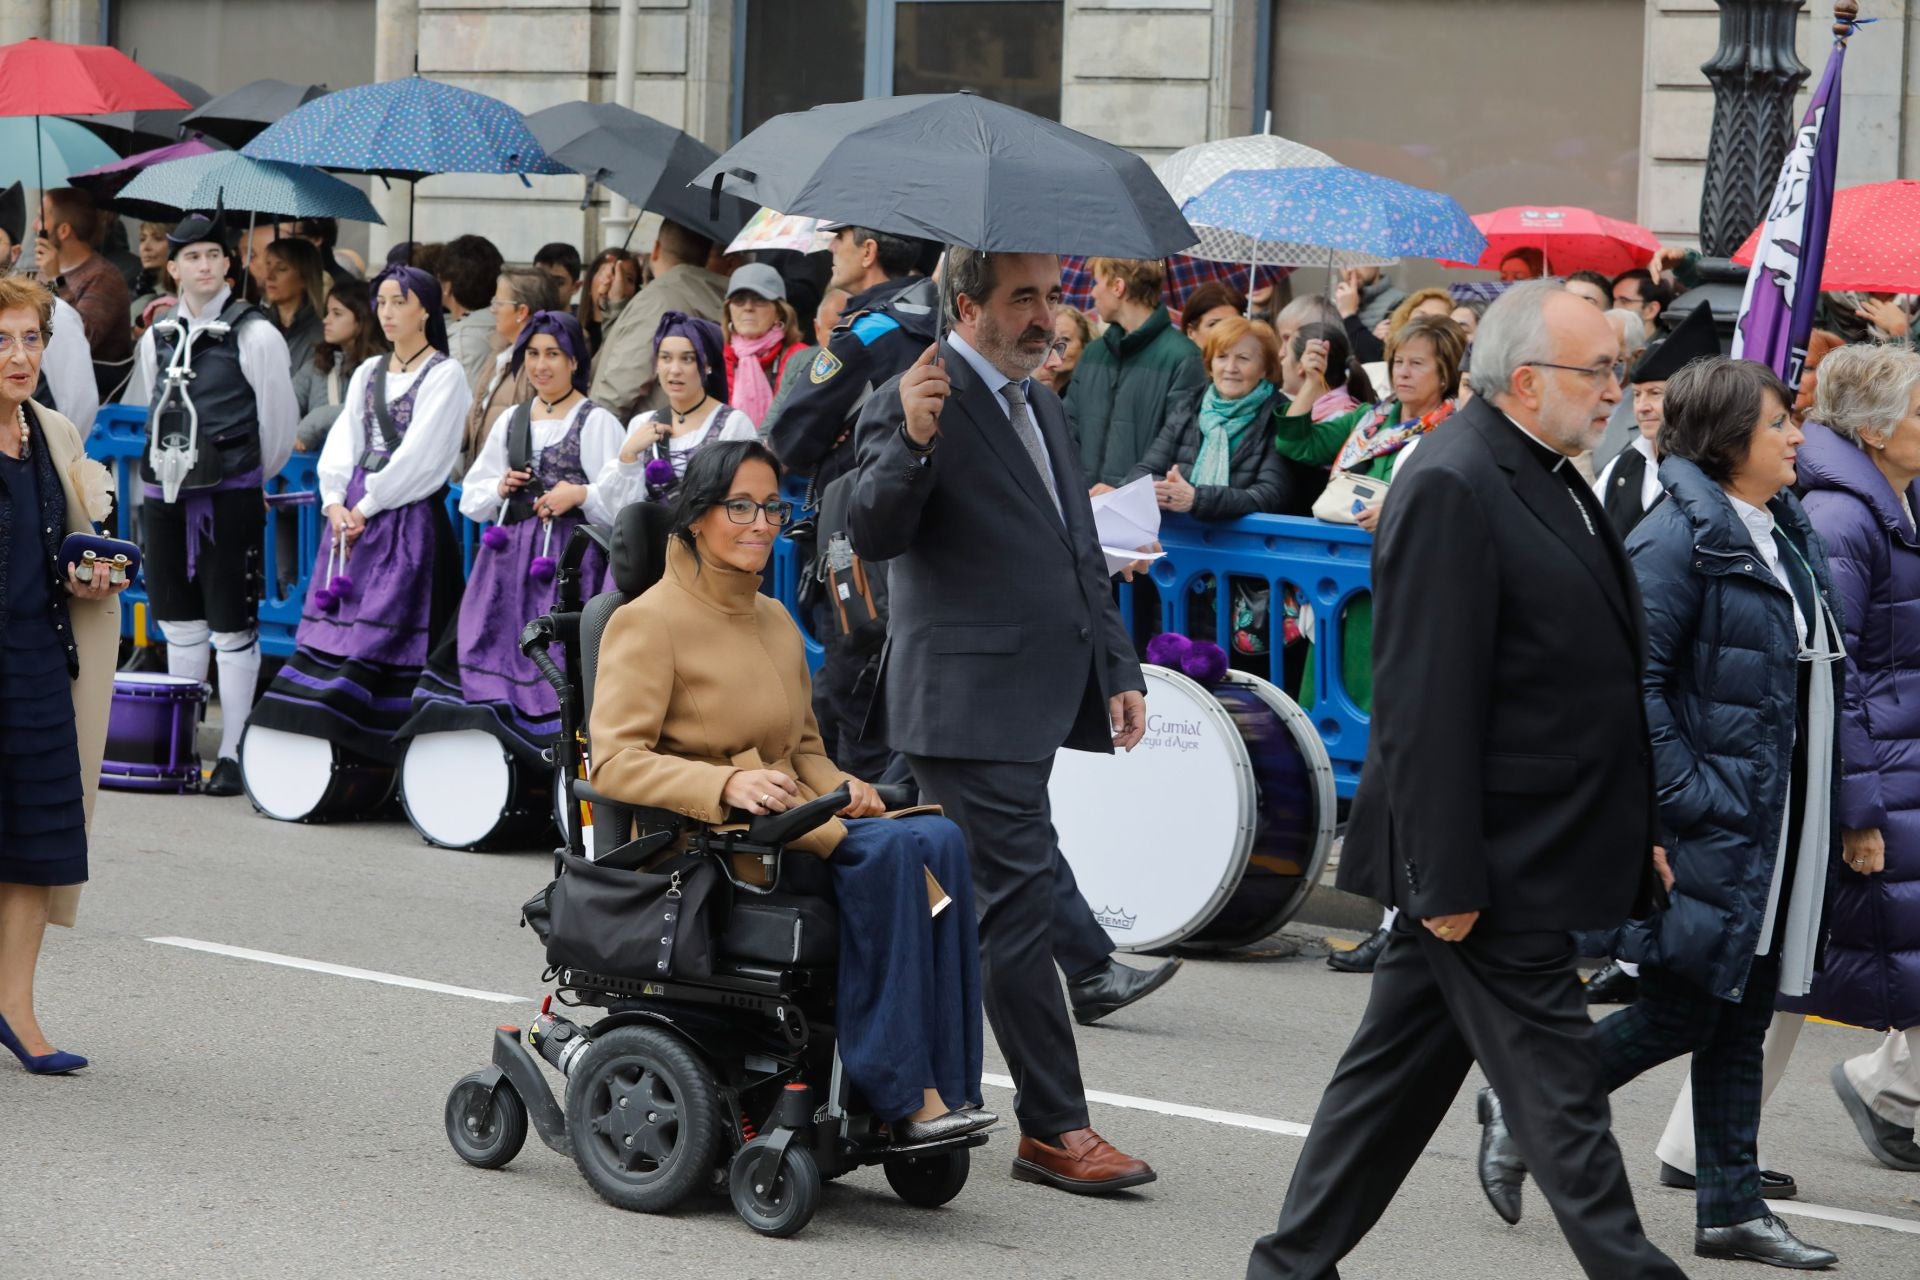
1324, 565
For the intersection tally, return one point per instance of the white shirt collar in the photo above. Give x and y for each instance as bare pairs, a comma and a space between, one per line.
209, 312
1644, 445
992, 377
1759, 522
1560, 459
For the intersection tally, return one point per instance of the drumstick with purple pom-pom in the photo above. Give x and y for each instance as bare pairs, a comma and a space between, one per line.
543, 566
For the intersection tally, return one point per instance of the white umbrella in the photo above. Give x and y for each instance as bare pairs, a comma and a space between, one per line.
769, 229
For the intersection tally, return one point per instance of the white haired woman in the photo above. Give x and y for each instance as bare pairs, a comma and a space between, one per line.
51, 624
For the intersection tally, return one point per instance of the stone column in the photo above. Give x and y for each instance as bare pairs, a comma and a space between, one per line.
396, 45
75, 21
25, 19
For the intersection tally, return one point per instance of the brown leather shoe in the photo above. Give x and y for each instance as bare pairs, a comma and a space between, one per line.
1084, 1163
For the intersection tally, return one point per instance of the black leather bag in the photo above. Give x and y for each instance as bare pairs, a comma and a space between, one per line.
635, 924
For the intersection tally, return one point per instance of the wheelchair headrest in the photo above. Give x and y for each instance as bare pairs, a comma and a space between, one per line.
639, 546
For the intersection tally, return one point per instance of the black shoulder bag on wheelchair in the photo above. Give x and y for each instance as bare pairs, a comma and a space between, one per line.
627, 923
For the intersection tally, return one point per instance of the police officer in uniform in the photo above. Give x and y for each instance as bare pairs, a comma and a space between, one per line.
204, 538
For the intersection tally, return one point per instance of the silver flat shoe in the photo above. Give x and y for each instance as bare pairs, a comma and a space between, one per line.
907, 1133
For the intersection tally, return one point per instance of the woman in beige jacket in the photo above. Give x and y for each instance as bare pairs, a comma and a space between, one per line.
703, 708
51, 624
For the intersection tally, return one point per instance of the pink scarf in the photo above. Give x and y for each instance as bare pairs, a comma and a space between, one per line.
752, 393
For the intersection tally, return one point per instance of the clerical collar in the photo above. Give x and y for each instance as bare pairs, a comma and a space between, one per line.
1550, 458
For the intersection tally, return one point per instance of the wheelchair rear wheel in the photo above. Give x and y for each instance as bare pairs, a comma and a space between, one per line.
486, 1124
929, 1180
644, 1116
782, 1206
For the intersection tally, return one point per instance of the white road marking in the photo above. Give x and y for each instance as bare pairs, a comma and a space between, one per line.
1237, 1119
340, 970
1233, 1119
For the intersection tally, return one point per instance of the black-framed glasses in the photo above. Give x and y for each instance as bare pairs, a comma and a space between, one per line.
743, 510
1615, 370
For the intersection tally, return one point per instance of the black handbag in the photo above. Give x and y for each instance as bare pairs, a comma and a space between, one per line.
634, 924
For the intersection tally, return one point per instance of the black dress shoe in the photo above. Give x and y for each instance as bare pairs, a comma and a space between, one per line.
1502, 1170
225, 780
1890, 1144
1363, 957
907, 1133
1762, 1240
1610, 984
1773, 1186
1114, 986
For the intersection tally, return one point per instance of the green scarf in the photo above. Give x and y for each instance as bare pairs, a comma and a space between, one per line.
1222, 423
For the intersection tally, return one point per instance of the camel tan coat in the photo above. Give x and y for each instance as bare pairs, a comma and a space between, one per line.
96, 634
700, 677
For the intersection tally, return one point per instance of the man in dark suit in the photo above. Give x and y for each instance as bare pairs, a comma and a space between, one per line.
1507, 799
1004, 645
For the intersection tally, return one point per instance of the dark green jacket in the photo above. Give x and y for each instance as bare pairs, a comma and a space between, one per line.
1118, 398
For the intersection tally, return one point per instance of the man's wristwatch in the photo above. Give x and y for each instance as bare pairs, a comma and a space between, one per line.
913, 446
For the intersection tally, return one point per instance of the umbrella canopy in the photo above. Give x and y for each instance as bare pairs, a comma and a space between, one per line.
243, 184
1335, 209
408, 129
768, 229
237, 117
45, 77
1873, 240
1188, 172
106, 182
1569, 239
648, 162
45, 152
133, 131
956, 168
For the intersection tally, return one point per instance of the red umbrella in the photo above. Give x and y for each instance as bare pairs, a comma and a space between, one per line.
1872, 243
47, 78
1571, 239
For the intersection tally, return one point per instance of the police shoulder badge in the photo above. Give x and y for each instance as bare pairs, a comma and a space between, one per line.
825, 365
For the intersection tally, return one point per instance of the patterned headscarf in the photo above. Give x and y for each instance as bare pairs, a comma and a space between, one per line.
424, 289
707, 343
563, 329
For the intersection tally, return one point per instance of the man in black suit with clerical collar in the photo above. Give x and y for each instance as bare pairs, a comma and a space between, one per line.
1507, 799
1004, 645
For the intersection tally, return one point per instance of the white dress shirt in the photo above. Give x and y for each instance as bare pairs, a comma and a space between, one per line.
600, 440
426, 454
995, 382
1649, 478
1759, 524
68, 366
263, 360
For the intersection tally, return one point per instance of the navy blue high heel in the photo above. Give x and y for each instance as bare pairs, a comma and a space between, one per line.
46, 1064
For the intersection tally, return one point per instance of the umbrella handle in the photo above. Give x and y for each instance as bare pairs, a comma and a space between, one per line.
713, 196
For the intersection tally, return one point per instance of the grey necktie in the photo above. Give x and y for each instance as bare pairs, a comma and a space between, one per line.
1023, 426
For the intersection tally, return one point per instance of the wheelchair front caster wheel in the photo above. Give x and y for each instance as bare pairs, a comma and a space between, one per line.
928, 1181
779, 1206
485, 1123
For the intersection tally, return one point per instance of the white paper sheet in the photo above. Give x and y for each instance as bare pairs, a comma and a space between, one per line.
1126, 519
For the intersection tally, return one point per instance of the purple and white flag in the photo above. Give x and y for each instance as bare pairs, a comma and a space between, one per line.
1783, 284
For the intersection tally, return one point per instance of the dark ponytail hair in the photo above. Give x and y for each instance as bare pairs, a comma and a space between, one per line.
709, 479
1339, 356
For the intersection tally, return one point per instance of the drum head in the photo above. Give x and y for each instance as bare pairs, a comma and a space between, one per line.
456, 786
1158, 837
156, 684
286, 774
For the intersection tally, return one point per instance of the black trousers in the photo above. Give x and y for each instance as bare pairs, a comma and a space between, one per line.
1017, 876
1511, 1002
224, 589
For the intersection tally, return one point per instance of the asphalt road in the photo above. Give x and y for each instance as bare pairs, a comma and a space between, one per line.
249, 1119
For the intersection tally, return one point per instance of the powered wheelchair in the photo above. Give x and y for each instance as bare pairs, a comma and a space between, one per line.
726, 1083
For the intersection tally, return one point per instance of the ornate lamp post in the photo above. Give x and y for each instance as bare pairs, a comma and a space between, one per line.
1755, 74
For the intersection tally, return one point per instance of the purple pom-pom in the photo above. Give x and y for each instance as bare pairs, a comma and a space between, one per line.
325, 601
658, 473
1205, 661
542, 568
1167, 649
341, 587
493, 537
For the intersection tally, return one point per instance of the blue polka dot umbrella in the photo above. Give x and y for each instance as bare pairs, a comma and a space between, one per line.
1259, 215
408, 129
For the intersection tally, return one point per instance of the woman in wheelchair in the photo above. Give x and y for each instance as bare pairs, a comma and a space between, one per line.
704, 709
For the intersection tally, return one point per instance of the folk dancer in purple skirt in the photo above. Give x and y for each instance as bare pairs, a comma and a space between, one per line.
689, 362
535, 480
387, 578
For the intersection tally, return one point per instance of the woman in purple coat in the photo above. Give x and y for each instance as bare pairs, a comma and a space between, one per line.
1858, 470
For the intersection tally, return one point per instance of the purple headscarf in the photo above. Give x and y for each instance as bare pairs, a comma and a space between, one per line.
707, 342
424, 289
563, 329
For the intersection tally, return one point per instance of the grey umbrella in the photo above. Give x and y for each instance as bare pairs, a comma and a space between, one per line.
960, 169
236, 117
134, 131
648, 162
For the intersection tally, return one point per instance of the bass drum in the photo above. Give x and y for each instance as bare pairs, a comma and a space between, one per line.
295, 778
1211, 832
462, 790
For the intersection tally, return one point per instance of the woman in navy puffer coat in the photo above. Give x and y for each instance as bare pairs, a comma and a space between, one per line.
1858, 479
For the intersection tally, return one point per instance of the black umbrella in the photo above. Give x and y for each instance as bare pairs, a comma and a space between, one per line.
956, 168
648, 162
235, 117
130, 132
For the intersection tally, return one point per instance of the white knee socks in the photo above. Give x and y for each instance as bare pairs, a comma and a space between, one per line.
187, 653
239, 673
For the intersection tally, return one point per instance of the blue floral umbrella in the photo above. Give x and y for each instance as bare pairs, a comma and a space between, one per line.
407, 129
242, 184
1254, 212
